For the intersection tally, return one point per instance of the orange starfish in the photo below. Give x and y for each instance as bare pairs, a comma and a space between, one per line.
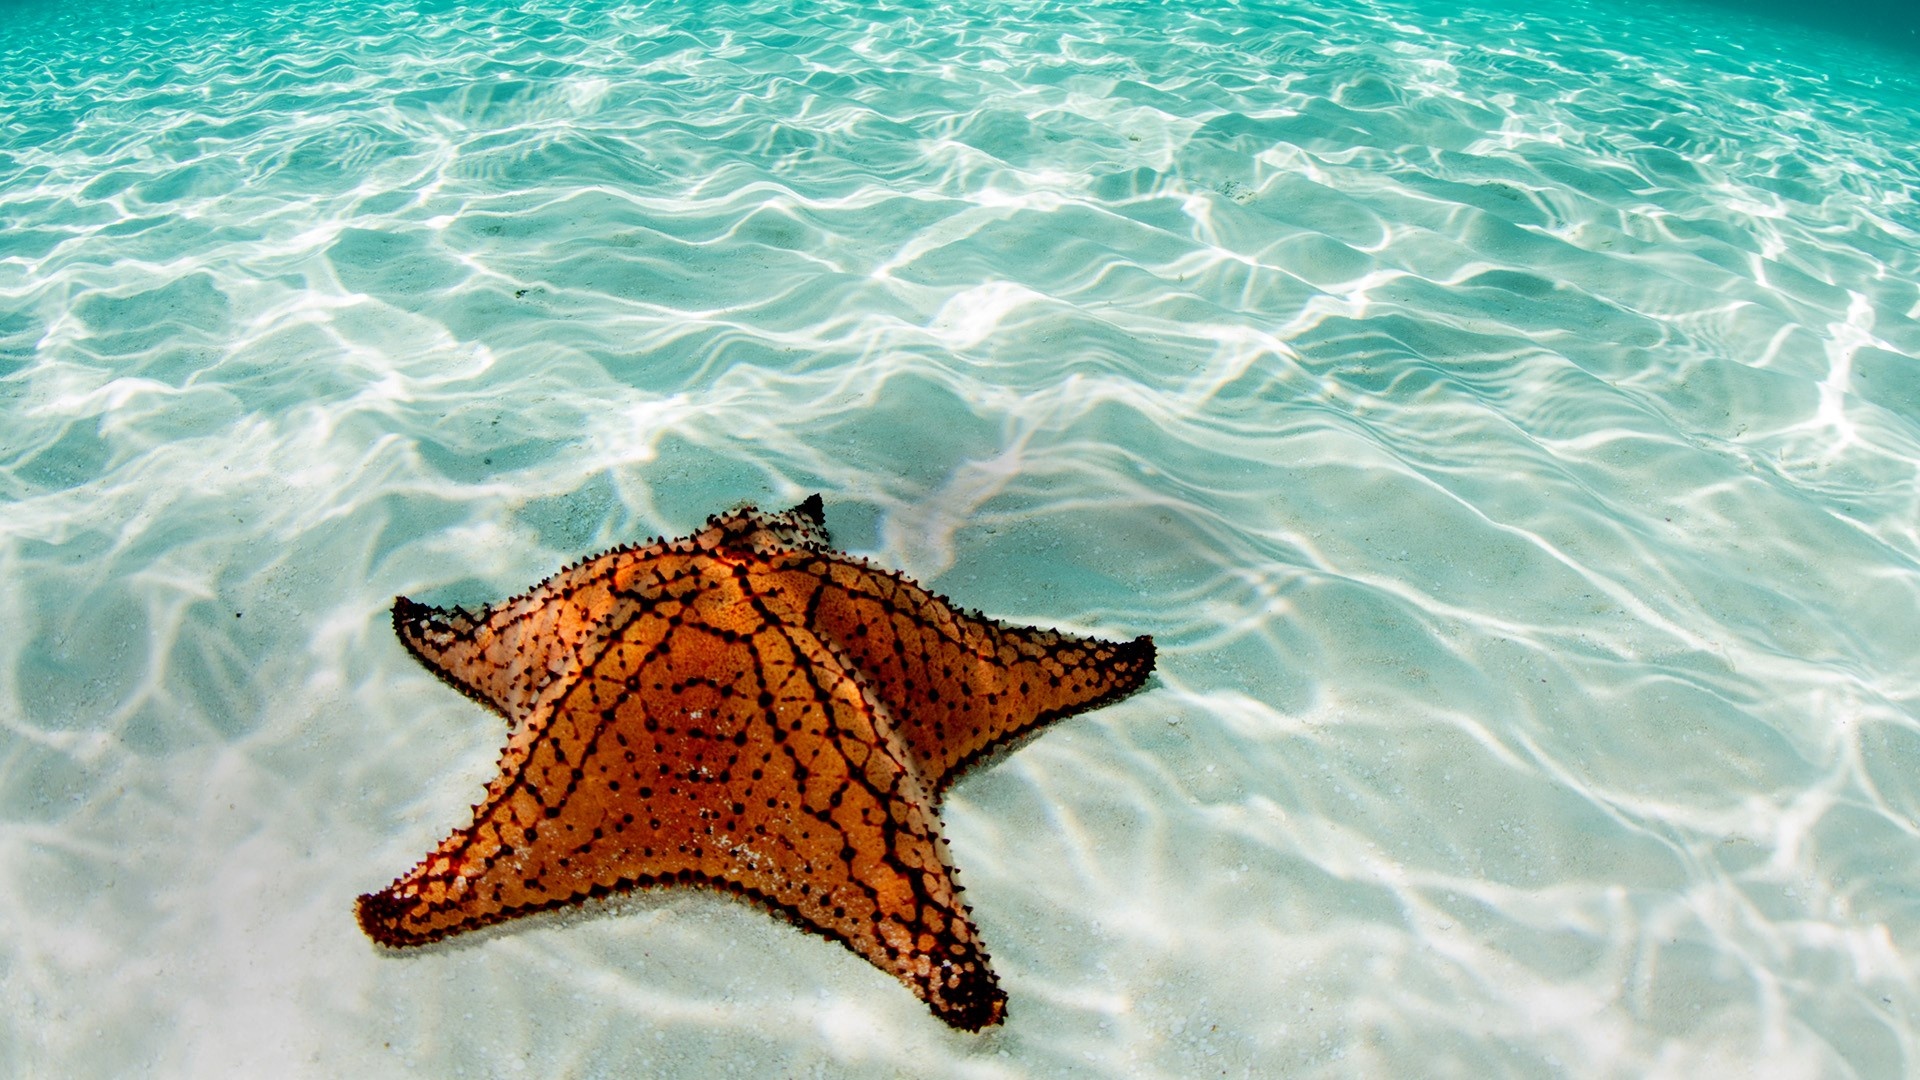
748, 710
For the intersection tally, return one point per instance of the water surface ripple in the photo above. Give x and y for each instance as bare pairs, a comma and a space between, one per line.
1508, 427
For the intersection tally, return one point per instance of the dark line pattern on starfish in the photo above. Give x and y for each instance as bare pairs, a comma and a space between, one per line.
743, 709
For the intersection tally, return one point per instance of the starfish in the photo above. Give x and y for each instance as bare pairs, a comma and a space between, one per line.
743, 709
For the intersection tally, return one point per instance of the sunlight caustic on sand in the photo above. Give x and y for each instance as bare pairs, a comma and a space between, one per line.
1508, 428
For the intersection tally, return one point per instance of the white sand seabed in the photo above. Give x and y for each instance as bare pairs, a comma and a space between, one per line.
1507, 428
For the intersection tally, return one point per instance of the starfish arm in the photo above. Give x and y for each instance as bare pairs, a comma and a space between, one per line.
510, 655
801, 527
708, 743
472, 653
959, 685
507, 655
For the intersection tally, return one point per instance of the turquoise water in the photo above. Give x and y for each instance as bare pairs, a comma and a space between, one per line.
1507, 424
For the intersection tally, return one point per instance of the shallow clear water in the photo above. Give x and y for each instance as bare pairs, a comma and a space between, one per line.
1508, 426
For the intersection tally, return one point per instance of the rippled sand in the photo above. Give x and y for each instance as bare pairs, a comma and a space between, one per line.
1509, 431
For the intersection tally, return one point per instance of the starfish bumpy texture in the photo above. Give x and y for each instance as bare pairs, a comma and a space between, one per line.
744, 709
